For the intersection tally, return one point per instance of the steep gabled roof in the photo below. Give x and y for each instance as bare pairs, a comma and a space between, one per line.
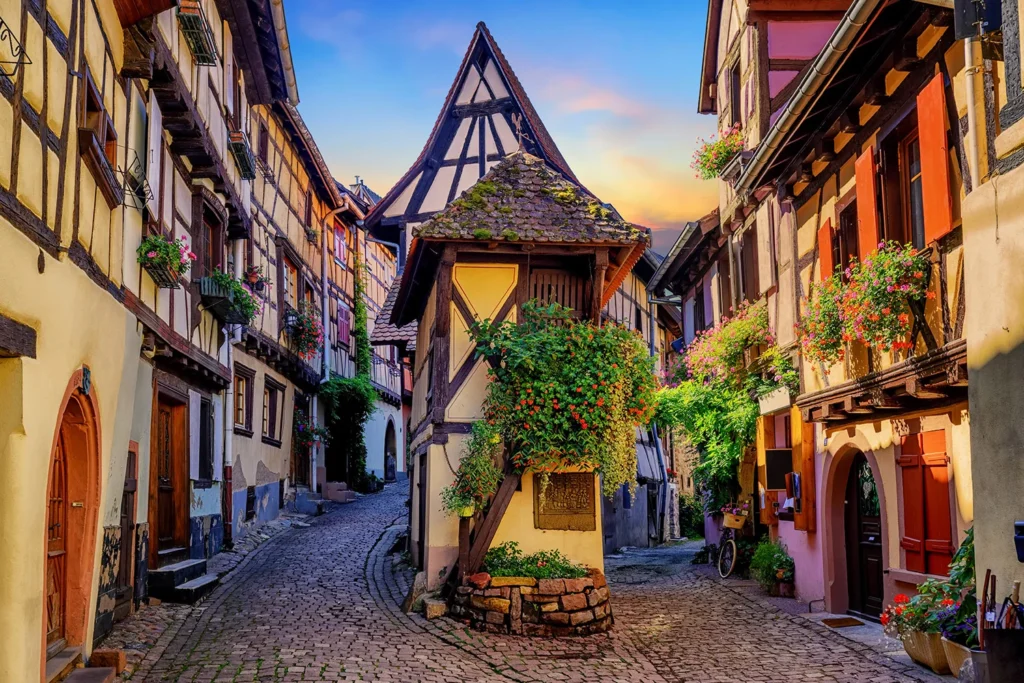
481, 109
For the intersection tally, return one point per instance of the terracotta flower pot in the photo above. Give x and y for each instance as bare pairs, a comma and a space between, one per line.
956, 655
926, 649
786, 589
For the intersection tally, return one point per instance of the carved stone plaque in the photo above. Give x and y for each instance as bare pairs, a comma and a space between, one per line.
568, 502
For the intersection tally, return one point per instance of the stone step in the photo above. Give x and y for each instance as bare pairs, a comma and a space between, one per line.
175, 574
58, 666
188, 592
99, 674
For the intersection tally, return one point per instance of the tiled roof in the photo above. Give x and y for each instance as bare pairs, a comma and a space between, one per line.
523, 198
384, 332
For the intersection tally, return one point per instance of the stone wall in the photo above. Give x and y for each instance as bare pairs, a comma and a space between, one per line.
534, 607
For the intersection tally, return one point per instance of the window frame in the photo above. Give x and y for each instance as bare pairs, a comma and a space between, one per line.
735, 94
263, 143
340, 245
207, 446
248, 375
97, 140
273, 407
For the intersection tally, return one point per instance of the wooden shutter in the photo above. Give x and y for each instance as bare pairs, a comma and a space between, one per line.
928, 533
935, 188
867, 203
802, 436
272, 416
825, 255
344, 325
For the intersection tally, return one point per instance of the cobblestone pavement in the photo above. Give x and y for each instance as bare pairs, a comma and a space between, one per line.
321, 603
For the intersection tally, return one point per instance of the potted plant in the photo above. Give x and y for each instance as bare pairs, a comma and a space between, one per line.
228, 299
773, 569
712, 156
478, 476
165, 260
255, 278
305, 433
958, 624
307, 331
913, 621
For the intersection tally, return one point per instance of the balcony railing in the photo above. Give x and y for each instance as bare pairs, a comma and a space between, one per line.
198, 34
387, 375
238, 145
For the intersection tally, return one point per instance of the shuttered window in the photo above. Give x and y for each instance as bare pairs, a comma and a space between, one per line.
867, 202
344, 324
935, 189
825, 254
205, 440
263, 144
748, 264
340, 245
927, 523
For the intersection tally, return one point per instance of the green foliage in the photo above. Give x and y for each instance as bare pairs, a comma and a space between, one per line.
712, 156
771, 564
475, 198
244, 300
567, 393
157, 250
305, 433
691, 515
308, 333
717, 354
360, 332
350, 402
510, 235
777, 370
745, 549
719, 421
508, 560
478, 476
482, 234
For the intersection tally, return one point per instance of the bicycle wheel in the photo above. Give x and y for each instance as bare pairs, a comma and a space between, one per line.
727, 558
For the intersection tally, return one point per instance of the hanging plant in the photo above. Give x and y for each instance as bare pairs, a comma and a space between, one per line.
305, 433
478, 475
308, 332
255, 278
867, 302
712, 156
243, 299
165, 259
566, 393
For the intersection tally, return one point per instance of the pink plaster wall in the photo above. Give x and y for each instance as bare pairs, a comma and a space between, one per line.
798, 39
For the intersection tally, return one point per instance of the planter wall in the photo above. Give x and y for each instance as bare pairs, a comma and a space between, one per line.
926, 649
534, 607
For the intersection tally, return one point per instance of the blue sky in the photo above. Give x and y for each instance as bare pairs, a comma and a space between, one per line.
615, 83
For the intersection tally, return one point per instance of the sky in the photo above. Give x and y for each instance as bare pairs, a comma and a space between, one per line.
615, 83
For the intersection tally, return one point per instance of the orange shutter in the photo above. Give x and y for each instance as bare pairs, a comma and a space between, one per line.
912, 541
927, 526
825, 249
802, 435
867, 203
935, 189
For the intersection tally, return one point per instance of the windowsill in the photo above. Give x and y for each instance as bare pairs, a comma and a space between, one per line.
787, 517
271, 441
242, 431
907, 576
202, 483
340, 263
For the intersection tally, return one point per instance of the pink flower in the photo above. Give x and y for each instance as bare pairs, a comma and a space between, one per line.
151, 254
192, 255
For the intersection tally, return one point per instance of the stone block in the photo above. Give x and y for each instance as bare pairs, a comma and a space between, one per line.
560, 618
549, 607
515, 625
479, 580
515, 607
498, 581
495, 618
551, 586
434, 608
542, 630
114, 659
578, 585
601, 610
573, 602
597, 577
493, 593
603, 594
527, 590
500, 605
581, 617
538, 597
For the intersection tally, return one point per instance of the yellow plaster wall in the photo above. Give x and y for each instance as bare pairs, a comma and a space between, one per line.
77, 323
249, 452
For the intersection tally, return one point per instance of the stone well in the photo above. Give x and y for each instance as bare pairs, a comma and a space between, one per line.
534, 607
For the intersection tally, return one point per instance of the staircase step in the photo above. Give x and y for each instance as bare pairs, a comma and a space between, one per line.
99, 674
175, 574
61, 663
190, 591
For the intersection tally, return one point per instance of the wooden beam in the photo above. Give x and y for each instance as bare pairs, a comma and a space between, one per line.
16, 339
915, 388
485, 530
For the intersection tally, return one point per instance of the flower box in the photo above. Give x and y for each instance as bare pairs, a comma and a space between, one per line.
164, 277
734, 521
926, 649
956, 655
220, 302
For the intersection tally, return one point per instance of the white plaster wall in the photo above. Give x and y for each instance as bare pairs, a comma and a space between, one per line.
376, 428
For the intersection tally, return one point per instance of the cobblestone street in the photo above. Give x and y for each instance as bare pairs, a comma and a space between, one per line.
321, 603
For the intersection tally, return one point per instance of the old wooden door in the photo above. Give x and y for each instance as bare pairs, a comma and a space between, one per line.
123, 590
169, 484
863, 540
56, 548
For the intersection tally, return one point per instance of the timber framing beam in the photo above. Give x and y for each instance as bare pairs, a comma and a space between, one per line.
16, 339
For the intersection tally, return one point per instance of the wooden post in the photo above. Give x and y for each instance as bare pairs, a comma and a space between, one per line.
463, 547
600, 268
442, 333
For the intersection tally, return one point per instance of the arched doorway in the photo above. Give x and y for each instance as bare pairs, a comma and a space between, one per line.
71, 518
863, 527
390, 452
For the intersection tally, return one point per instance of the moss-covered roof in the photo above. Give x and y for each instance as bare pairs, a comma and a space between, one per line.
524, 199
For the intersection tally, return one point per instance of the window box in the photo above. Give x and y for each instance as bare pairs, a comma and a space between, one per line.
238, 144
94, 155
196, 29
164, 277
220, 302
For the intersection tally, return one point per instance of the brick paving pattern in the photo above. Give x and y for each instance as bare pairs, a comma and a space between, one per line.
322, 603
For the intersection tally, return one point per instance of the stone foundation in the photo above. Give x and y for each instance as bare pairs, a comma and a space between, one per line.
534, 607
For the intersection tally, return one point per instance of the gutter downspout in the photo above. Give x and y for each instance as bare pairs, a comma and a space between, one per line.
663, 497
820, 72
227, 459
970, 86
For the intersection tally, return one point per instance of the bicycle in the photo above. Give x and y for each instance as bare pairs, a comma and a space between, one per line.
727, 551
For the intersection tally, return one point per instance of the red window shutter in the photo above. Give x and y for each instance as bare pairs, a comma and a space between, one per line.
938, 537
935, 188
344, 325
912, 474
867, 203
825, 249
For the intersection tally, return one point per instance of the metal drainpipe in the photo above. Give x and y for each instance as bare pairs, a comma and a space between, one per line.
970, 76
663, 498
235, 335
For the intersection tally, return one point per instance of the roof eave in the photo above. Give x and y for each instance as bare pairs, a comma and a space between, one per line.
709, 67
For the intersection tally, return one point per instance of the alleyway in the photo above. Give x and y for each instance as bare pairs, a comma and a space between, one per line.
320, 603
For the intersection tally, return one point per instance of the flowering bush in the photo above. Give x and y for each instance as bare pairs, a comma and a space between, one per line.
919, 612
308, 332
567, 393
478, 475
735, 509
772, 564
712, 156
870, 306
305, 433
717, 353
158, 251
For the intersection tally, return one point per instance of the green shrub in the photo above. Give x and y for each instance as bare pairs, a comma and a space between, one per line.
771, 564
691, 515
508, 560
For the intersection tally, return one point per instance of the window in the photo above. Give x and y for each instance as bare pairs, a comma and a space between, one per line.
206, 435
844, 241
97, 142
273, 401
735, 90
748, 265
910, 172
291, 283
263, 144
309, 209
639, 319
700, 320
902, 184
207, 237
340, 245
244, 378
344, 323
927, 538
